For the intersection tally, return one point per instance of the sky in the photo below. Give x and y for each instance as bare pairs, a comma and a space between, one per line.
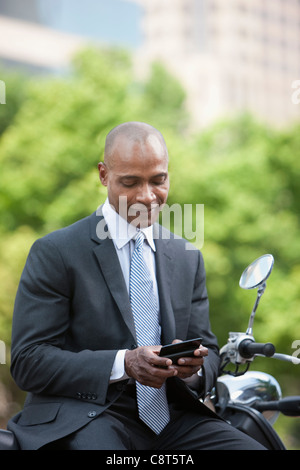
113, 21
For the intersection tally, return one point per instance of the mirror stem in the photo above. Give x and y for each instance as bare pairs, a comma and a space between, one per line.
260, 292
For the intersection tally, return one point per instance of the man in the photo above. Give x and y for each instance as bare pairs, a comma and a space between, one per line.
93, 307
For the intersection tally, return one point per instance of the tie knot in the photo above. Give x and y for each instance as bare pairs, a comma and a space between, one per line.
139, 240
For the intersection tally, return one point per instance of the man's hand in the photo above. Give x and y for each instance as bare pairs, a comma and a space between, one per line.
188, 366
145, 366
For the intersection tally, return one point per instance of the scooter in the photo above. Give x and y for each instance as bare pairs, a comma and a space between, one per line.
252, 401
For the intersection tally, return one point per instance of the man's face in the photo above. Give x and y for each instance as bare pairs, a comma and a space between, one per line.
136, 178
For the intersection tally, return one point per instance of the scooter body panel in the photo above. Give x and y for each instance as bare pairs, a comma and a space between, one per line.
254, 424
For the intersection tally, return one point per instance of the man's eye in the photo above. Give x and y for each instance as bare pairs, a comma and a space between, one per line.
160, 181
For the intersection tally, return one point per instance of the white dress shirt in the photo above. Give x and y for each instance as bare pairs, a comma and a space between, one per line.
123, 235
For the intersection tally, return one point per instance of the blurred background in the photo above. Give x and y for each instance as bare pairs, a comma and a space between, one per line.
221, 80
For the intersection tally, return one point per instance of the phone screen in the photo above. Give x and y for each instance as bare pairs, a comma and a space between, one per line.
182, 349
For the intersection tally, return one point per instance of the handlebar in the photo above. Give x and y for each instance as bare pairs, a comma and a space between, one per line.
241, 349
247, 348
289, 406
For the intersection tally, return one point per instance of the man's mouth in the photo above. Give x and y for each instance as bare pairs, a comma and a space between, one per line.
141, 215
140, 209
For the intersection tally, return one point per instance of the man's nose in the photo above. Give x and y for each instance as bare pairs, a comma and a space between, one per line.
146, 195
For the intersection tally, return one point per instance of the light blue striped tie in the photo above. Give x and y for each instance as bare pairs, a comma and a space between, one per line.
152, 402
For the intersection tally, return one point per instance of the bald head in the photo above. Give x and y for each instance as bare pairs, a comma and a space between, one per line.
133, 132
135, 170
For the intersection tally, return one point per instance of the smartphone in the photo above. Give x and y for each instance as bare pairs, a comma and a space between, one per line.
182, 349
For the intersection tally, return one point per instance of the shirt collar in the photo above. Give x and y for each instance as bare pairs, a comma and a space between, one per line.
121, 231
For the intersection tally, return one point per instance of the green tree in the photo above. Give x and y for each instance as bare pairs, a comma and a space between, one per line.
15, 94
241, 172
164, 99
53, 133
50, 155
245, 174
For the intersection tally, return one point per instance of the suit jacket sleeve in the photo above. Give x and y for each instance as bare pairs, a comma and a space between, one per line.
45, 358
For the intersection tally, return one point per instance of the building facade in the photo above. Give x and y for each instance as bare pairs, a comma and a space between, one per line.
230, 55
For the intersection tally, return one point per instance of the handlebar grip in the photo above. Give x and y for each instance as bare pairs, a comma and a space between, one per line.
289, 406
248, 348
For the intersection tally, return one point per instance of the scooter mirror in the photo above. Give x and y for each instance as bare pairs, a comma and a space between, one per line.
257, 272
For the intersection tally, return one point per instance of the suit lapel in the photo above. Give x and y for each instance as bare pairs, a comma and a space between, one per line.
164, 268
110, 266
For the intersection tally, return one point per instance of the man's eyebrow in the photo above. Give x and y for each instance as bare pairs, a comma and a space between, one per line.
129, 176
164, 173
158, 175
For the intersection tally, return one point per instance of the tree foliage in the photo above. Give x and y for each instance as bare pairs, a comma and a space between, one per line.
240, 172
52, 133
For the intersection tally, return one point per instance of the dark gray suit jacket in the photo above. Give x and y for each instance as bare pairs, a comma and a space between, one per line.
72, 314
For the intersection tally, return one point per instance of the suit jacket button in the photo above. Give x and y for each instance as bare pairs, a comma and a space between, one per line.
92, 414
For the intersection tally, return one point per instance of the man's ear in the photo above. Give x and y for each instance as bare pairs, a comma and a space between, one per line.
102, 173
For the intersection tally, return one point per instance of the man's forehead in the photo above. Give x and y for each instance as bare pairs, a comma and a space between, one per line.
155, 142
126, 146
139, 139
